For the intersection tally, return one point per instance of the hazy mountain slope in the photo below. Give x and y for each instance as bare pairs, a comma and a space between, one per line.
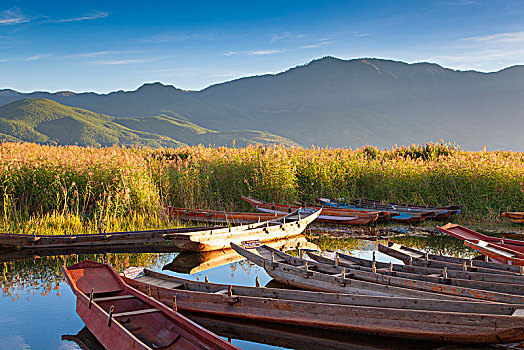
339, 103
46, 121
43, 121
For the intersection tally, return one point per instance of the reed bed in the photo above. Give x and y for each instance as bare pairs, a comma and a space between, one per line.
75, 188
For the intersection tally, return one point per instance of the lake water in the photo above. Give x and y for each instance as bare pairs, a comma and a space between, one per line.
38, 307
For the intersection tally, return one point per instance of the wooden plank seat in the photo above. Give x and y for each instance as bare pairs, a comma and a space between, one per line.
136, 312
117, 297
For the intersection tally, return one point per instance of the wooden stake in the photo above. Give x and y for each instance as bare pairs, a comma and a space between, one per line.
175, 308
110, 317
257, 282
230, 290
374, 267
390, 267
91, 297
336, 259
206, 279
445, 272
464, 266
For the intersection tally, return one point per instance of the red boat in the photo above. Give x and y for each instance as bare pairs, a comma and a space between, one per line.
498, 253
466, 234
328, 215
121, 317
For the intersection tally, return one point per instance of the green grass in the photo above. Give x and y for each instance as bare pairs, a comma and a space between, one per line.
81, 189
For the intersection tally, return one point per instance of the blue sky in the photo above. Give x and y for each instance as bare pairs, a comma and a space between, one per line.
105, 46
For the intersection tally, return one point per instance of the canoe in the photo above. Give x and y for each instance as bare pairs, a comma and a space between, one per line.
329, 215
195, 262
301, 337
466, 234
121, 317
498, 253
432, 284
438, 213
34, 241
437, 276
287, 226
310, 275
396, 215
411, 256
38, 253
433, 273
430, 319
516, 217
222, 217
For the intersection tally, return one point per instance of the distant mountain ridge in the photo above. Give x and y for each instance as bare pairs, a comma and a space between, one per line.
45, 121
335, 102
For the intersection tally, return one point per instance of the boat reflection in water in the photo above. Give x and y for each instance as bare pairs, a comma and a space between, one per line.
194, 262
290, 337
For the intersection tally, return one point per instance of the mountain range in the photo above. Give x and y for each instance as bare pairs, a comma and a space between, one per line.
327, 102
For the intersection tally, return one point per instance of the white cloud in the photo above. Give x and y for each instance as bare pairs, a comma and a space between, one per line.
319, 44
103, 53
90, 16
117, 62
501, 38
38, 57
231, 53
264, 52
11, 17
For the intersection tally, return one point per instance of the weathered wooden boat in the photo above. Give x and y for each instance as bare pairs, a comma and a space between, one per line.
329, 215
466, 234
430, 319
101, 239
121, 317
403, 282
302, 337
438, 213
310, 275
222, 217
194, 262
433, 273
38, 253
498, 253
411, 256
285, 227
396, 215
436, 276
516, 217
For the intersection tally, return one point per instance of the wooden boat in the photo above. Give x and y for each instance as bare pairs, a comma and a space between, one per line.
516, 217
301, 337
498, 253
411, 256
23, 241
433, 276
436, 320
396, 215
467, 234
38, 253
222, 217
194, 262
329, 215
285, 227
401, 281
310, 275
433, 273
437, 213
121, 317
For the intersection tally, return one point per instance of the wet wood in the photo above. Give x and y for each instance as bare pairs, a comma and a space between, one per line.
407, 317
